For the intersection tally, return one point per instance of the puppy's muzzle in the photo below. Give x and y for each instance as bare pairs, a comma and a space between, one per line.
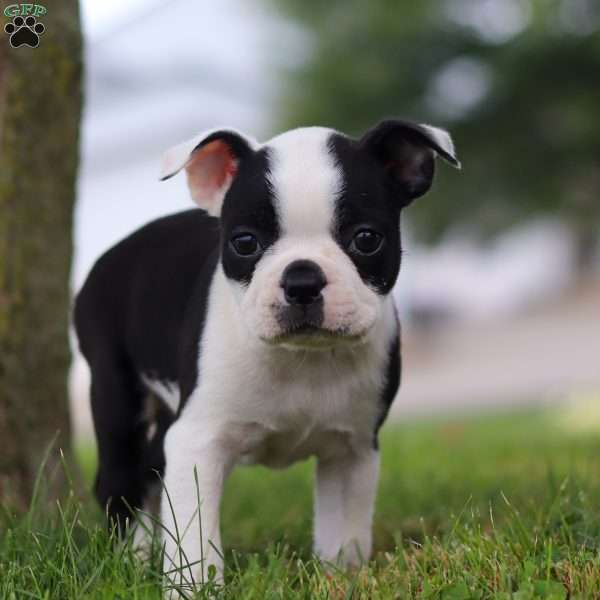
302, 282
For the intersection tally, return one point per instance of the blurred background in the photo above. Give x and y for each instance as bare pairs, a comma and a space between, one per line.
499, 291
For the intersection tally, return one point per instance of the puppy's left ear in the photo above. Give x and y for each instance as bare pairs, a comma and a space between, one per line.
211, 162
407, 152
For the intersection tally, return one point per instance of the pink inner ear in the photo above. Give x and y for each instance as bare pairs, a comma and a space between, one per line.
210, 169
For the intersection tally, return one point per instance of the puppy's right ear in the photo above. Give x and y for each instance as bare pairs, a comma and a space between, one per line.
407, 152
211, 162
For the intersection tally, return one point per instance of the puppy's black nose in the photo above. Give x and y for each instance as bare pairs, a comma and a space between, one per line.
302, 282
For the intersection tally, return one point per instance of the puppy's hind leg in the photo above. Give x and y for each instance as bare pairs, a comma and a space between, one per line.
117, 404
148, 519
158, 418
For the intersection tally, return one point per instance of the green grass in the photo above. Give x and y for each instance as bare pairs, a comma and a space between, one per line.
493, 507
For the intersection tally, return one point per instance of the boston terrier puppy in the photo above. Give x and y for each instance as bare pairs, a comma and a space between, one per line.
262, 324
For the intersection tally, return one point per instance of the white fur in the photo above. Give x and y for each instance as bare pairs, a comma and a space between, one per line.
305, 180
167, 391
443, 140
344, 500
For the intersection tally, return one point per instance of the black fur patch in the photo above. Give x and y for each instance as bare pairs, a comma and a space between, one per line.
141, 310
366, 202
248, 208
392, 383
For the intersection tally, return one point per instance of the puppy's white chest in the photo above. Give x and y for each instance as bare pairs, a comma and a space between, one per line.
274, 406
299, 421
281, 448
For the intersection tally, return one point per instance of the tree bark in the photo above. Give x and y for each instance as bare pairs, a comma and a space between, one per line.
40, 106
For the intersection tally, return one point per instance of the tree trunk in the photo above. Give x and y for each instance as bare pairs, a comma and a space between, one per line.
40, 106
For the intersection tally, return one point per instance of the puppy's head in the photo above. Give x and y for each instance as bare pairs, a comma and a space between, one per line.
310, 240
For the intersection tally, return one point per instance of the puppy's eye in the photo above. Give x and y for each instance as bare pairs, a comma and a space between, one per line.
366, 241
245, 244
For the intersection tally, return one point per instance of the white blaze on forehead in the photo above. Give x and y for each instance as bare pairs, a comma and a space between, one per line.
305, 180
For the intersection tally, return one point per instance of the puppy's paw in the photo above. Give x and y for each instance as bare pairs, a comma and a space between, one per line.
350, 554
184, 582
186, 590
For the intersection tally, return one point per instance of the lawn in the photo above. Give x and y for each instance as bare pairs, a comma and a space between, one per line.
504, 506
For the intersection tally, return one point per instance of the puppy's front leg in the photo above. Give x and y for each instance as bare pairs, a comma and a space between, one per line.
196, 467
344, 502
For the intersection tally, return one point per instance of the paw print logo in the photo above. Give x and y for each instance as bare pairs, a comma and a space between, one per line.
24, 32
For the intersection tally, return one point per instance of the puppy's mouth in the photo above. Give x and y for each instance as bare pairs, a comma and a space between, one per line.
310, 334
302, 328
313, 338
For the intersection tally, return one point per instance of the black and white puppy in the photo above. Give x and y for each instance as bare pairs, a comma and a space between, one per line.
265, 325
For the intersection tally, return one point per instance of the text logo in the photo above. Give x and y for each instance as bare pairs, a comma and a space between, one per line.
24, 29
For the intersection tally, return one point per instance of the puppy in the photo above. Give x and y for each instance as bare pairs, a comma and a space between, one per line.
265, 325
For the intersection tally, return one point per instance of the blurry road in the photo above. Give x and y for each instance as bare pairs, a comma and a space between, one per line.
544, 355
